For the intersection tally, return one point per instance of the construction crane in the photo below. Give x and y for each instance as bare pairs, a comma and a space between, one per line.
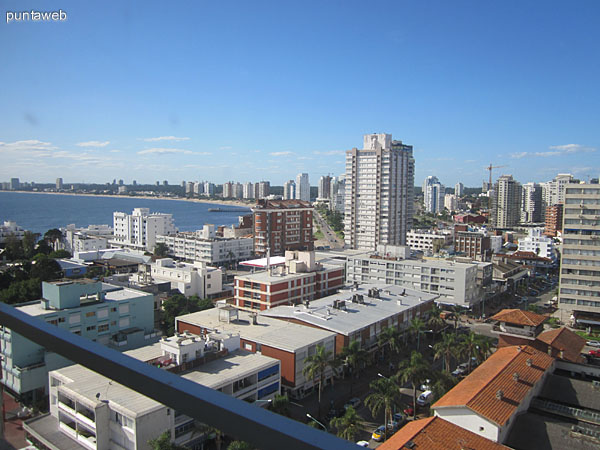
490, 167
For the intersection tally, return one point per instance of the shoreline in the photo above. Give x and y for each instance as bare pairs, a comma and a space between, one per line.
145, 197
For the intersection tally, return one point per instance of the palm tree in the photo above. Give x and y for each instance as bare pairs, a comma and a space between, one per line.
470, 346
354, 356
442, 383
416, 327
315, 367
446, 348
435, 321
390, 338
456, 310
384, 394
414, 371
349, 425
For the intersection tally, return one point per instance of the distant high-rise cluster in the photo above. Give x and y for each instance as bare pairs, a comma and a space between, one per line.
379, 184
302, 187
433, 195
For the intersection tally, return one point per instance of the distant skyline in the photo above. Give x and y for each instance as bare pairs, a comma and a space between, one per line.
247, 91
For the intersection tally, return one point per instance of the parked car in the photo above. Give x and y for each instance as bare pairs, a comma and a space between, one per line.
460, 370
363, 443
425, 386
595, 353
379, 433
399, 418
409, 410
593, 343
354, 402
424, 398
393, 426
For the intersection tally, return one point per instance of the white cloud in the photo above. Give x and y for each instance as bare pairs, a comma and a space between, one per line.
281, 153
330, 152
568, 148
165, 138
31, 144
225, 147
164, 151
93, 144
114, 151
519, 155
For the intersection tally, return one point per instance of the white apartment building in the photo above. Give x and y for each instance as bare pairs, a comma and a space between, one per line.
94, 237
338, 194
248, 190
433, 195
139, 229
379, 192
553, 192
459, 189
506, 202
88, 410
189, 279
204, 246
450, 202
579, 296
209, 189
537, 243
455, 282
289, 190
423, 240
302, 187
531, 204
10, 228
324, 187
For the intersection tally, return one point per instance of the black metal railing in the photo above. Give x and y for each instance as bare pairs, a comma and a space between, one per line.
262, 428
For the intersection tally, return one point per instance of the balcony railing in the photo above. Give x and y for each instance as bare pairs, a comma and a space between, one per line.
261, 428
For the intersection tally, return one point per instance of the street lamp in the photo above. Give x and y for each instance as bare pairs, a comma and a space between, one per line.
312, 418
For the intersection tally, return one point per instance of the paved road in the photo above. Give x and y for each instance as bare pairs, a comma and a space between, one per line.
329, 237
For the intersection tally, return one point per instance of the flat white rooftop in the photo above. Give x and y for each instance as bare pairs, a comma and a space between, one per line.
393, 300
262, 262
272, 332
88, 384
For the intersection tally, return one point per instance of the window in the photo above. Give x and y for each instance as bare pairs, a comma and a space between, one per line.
102, 328
91, 328
90, 314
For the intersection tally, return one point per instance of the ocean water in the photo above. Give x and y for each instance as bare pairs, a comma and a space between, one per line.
41, 212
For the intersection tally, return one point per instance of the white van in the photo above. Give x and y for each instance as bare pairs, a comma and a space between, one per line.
424, 398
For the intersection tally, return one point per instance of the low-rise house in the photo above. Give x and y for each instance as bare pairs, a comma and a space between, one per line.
189, 279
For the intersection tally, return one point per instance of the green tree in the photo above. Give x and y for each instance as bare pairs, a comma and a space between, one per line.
471, 346
13, 247
390, 338
22, 291
28, 243
349, 425
315, 367
61, 253
355, 357
177, 305
239, 445
163, 442
280, 405
414, 370
161, 250
384, 394
45, 269
416, 327
445, 349
442, 383
435, 320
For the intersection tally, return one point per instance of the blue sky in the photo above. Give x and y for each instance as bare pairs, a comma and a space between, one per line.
239, 90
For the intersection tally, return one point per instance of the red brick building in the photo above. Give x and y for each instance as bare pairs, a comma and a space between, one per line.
301, 279
282, 225
475, 245
554, 218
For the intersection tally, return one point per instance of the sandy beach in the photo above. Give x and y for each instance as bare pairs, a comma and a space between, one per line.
243, 204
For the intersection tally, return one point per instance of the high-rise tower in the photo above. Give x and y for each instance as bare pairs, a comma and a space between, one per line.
379, 192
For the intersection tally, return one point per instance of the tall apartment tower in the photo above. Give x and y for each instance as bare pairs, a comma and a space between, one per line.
433, 195
379, 197
459, 189
59, 184
302, 187
554, 191
506, 202
531, 203
579, 295
289, 190
554, 219
248, 190
324, 187
139, 229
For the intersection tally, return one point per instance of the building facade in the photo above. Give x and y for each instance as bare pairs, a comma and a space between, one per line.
433, 195
118, 317
281, 225
189, 279
554, 219
506, 202
139, 229
428, 240
531, 203
379, 198
302, 187
579, 295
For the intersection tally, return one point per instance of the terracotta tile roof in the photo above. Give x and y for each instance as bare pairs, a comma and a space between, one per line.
435, 433
565, 340
520, 317
479, 390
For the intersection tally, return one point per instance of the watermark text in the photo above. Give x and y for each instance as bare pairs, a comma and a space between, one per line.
36, 16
